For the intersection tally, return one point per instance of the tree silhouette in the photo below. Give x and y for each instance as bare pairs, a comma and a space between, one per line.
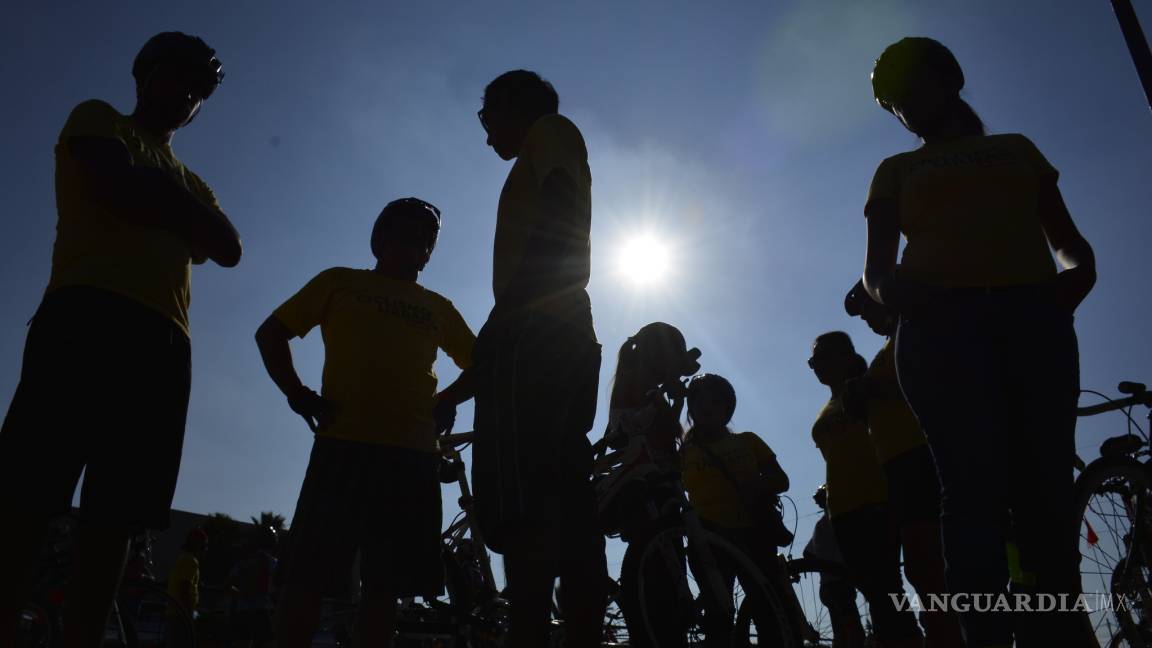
270, 519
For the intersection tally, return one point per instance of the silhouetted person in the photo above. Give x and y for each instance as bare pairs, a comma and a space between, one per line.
251, 582
858, 494
986, 350
106, 375
537, 367
913, 486
373, 476
183, 580
734, 482
837, 592
644, 412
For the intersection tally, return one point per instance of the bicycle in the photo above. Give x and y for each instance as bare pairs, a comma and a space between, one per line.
682, 584
806, 575
143, 614
1112, 505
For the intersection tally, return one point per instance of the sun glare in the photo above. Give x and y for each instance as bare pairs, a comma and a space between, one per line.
644, 260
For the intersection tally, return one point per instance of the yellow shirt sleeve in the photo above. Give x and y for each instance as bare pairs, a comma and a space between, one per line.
93, 118
305, 310
760, 450
457, 339
885, 185
556, 144
1037, 160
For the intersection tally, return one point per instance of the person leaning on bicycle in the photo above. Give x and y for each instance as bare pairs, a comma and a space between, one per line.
372, 482
107, 363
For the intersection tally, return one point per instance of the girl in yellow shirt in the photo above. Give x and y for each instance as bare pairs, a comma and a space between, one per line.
985, 351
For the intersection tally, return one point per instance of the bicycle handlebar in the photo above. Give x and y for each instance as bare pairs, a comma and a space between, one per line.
1118, 404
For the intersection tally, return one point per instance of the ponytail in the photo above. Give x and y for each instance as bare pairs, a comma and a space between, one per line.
628, 362
968, 116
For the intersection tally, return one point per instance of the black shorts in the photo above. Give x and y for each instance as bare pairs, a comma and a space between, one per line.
381, 500
536, 390
913, 487
103, 390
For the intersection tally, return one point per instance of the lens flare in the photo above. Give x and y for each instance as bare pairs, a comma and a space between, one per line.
644, 260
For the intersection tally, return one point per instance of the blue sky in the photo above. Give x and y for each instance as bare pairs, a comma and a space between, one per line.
745, 134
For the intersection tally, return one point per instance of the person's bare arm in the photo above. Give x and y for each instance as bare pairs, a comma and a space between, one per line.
883, 248
1072, 250
444, 408
272, 339
151, 197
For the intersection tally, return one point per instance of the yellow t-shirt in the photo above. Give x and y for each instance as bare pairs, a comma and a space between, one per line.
853, 474
893, 426
95, 248
968, 209
185, 571
380, 341
712, 494
552, 143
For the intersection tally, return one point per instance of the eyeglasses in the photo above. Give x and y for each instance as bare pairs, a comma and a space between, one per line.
483, 121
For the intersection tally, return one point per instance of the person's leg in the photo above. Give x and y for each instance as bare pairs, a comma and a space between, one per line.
322, 542
872, 557
401, 514
583, 577
134, 459
41, 448
950, 374
914, 497
1042, 507
839, 596
376, 620
531, 606
101, 548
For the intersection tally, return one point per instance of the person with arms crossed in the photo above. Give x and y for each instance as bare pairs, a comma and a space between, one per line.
372, 482
106, 375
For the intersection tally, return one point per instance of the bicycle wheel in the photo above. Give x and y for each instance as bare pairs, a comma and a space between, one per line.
666, 600
153, 619
849, 613
1112, 498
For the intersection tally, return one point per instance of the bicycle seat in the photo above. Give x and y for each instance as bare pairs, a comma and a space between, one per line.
1127, 444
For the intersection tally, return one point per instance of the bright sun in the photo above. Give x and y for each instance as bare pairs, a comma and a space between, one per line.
644, 260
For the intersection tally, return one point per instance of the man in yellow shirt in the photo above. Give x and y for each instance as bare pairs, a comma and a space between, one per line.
184, 577
858, 493
372, 482
538, 366
106, 375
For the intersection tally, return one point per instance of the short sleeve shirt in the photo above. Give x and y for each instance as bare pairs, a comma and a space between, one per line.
852, 472
381, 337
714, 496
969, 211
553, 144
186, 571
96, 248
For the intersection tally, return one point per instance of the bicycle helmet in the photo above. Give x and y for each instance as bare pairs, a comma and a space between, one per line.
187, 56
663, 350
715, 385
412, 209
909, 59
